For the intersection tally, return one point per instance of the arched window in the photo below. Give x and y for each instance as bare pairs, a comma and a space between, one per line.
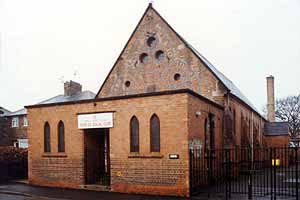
61, 137
206, 135
134, 135
154, 134
234, 122
47, 145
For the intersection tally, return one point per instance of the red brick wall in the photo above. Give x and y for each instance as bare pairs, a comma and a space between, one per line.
277, 141
140, 173
253, 119
196, 123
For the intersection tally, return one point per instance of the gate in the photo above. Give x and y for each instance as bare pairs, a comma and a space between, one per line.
258, 172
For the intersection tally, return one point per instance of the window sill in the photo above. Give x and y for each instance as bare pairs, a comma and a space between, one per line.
56, 155
151, 155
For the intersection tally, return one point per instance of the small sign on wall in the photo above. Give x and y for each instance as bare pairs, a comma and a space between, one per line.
173, 156
95, 120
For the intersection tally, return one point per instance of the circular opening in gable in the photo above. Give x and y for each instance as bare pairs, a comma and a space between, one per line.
144, 58
160, 55
151, 41
127, 83
177, 77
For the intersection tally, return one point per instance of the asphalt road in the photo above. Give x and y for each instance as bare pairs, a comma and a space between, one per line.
27, 192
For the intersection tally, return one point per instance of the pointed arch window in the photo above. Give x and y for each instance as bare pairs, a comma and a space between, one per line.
154, 134
61, 137
134, 135
47, 145
206, 135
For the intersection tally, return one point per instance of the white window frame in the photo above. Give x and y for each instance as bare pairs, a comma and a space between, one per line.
25, 121
23, 143
15, 122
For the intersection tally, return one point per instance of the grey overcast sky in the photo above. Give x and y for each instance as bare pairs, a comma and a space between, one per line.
43, 42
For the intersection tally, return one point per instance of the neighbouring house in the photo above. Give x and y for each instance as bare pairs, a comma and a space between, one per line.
160, 99
17, 128
4, 136
17, 122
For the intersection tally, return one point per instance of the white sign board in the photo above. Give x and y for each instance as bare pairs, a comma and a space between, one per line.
97, 120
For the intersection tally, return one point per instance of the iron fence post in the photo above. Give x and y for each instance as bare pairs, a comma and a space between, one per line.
274, 168
227, 175
297, 184
271, 173
250, 173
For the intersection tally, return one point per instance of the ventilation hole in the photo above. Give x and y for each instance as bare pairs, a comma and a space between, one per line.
176, 77
151, 41
160, 55
144, 58
127, 83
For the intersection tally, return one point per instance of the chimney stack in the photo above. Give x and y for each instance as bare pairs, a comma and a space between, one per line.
270, 98
72, 88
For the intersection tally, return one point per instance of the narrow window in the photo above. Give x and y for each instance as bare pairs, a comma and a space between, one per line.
15, 122
61, 137
134, 135
47, 147
234, 122
154, 134
25, 121
206, 135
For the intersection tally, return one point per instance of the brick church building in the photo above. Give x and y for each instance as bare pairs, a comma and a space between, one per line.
160, 99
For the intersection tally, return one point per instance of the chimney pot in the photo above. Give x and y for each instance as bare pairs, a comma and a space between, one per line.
72, 88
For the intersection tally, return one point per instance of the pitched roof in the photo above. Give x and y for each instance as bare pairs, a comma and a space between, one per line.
22, 111
234, 90
76, 97
58, 99
276, 128
3, 111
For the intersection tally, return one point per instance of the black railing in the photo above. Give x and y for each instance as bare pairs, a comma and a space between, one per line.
13, 169
265, 172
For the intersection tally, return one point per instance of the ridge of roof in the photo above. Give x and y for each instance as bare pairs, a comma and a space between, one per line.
233, 89
229, 85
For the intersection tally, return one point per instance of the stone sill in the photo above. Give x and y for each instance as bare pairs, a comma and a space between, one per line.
56, 155
151, 155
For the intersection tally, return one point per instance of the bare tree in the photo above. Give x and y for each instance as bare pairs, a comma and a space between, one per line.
288, 109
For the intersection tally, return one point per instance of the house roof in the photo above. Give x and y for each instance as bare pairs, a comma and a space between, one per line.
276, 128
3, 111
76, 97
59, 99
233, 89
22, 111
